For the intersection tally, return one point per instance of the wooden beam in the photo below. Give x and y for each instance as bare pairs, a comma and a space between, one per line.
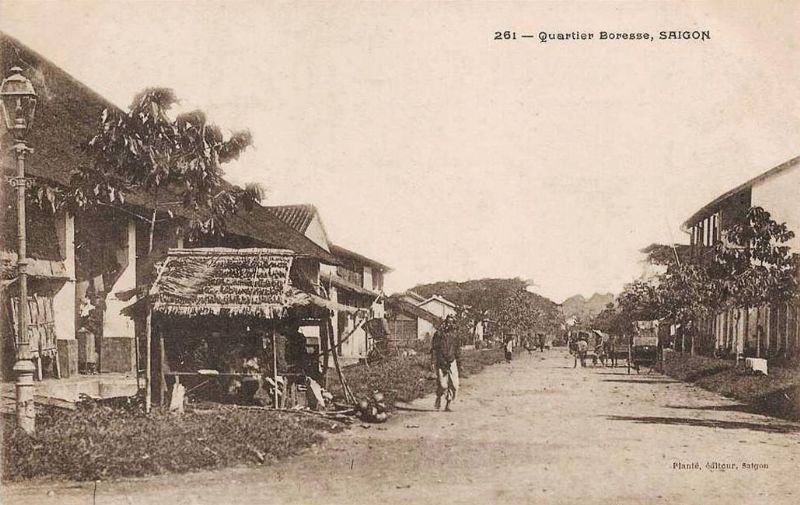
148, 380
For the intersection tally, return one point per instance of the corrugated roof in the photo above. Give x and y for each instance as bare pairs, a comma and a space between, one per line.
296, 216
711, 207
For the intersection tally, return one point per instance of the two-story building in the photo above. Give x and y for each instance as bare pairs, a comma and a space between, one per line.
355, 284
775, 190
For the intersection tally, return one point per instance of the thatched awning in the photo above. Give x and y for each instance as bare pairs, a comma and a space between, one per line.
220, 281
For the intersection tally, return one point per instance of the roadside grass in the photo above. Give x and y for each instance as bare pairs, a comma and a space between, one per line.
776, 394
101, 442
406, 378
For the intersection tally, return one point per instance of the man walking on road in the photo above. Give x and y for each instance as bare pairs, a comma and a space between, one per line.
445, 353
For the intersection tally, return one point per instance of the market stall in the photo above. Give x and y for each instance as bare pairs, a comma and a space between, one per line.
234, 316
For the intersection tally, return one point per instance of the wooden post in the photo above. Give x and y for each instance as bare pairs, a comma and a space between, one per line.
785, 345
630, 344
148, 393
162, 369
738, 317
347, 394
683, 338
758, 332
324, 348
274, 368
137, 351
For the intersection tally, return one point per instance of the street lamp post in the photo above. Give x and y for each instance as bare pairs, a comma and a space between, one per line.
18, 107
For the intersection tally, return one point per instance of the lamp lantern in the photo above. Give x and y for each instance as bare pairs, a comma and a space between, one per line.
18, 103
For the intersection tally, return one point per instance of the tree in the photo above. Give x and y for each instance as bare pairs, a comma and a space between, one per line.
519, 313
754, 266
612, 320
506, 301
176, 162
641, 301
687, 295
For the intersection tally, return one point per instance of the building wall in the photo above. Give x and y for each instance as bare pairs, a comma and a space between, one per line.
403, 327
355, 347
479, 331
737, 330
64, 307
377, 280
117, 349
115, 324
316, 232
367, 277
779, 196
425, 329
378, 309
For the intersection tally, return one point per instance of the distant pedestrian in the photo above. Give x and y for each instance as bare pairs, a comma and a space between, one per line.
509, 349
541, 342
580, 355
445, 354
526, 344
611, 350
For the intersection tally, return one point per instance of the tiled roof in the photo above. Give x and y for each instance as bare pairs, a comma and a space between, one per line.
714, 204
398, 305
341, 252
296, 216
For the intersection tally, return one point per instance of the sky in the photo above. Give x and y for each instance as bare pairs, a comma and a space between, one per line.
445, 154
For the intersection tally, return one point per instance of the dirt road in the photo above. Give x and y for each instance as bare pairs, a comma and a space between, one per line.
535, 431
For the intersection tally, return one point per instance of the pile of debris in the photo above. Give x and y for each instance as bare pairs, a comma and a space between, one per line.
374, 409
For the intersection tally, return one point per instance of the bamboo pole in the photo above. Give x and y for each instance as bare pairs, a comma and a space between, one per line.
346, 390
162, 368
758, 332
786, 330
324, 345
630, 345
274, 368
148, 392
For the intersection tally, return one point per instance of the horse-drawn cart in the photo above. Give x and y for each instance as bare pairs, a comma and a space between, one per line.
643, 349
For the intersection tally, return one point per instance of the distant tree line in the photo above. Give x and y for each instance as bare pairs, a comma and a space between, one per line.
508, 303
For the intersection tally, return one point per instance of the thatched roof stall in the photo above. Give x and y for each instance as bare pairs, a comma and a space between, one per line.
223, 282
235, 295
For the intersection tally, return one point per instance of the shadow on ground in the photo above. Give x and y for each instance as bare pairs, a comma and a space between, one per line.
407, 408
709, 423
641, 381
744, 408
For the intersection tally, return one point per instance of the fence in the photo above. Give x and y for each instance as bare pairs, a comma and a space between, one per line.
767, 331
